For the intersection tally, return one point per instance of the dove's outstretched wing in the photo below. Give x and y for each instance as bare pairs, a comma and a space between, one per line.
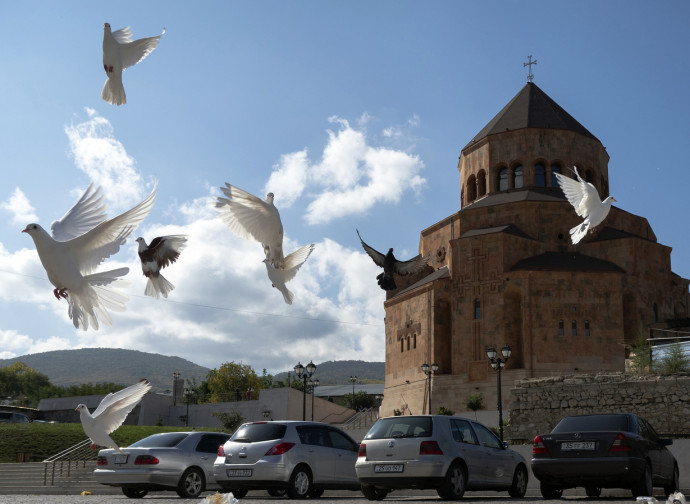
249, 217
294, 261
412, 266
377, 256
166, 249
582, 195
86, 214
93, 247
135, 51
114, 408
123, 35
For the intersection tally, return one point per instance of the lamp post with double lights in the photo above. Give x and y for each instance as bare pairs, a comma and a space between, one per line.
313, 383
498, 364
428, 371
353, 380
304, 373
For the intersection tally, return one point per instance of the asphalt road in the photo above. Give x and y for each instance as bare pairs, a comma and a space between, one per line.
613, 497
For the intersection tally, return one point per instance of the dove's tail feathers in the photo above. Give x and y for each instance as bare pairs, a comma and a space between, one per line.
579, 232
90, 304
288, 296
157, 285
113, 91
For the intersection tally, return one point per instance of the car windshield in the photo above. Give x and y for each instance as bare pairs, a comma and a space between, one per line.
401, 427
259, 431
592, 423
165, 440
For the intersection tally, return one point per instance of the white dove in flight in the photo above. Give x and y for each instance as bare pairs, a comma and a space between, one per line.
120, 52
110, 414
80, 241
162, 251
252, 218
584, 197
280, 276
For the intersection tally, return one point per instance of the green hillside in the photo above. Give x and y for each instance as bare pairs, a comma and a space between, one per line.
339, 372
99, 365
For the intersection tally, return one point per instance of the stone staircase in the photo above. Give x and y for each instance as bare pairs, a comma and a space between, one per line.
62, 477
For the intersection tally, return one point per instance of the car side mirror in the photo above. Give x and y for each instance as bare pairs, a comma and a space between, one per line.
665, 442
505, 445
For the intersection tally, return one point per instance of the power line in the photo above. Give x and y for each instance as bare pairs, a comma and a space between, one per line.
224, 308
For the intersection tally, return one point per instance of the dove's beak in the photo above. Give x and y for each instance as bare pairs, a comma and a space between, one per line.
25, 230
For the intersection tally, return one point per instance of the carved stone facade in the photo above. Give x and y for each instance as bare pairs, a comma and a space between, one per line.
503, 271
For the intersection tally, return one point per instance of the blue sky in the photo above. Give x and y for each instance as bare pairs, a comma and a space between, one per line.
353, 113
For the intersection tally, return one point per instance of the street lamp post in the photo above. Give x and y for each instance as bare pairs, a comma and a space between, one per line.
428, 371
188, 396
304, 373
175, 378
314, 383
353, 380
498, 364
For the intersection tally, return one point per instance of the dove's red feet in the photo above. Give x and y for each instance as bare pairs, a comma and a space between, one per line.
108, 69
93, 446
60, 293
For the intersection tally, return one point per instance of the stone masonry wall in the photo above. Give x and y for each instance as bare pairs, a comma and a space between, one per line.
538, 404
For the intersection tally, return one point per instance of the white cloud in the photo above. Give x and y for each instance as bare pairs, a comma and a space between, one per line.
20, 207
351, 177
104, 159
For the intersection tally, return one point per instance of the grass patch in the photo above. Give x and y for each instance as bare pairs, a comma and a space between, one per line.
42, 440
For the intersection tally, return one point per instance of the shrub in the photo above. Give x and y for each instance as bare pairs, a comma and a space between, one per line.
442, 410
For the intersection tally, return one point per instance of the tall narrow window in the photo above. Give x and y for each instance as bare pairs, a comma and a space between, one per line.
471, 188
517, 177
408, 343
586, 327
414, 340
555, 168
481, 183
539, 175
503, 179
402, 345
574, 328
477, 309
656, 312
560, 328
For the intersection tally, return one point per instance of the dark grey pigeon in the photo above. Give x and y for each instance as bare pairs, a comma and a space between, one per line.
391, 265
162, 251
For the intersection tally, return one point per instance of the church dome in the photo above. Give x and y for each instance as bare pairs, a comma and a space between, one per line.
522, 147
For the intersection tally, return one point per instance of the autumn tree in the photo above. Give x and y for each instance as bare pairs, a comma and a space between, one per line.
231, 378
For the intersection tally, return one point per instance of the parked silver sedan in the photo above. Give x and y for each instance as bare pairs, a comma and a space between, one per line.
300, 458
179, 461
449, 454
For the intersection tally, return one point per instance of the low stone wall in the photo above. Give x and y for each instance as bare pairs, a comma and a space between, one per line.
538, 404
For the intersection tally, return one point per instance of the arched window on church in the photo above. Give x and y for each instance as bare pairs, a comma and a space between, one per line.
560, 328
539, 175
517, 177
402, 345
408, 343
588, 176
656, 312
481, 183
414, 340
555, 168
477, 309
586, 327
503, 179
573, 330
471, 189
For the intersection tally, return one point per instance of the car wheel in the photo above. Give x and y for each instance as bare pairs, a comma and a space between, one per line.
550, 492
134, 493
299, 485
673, 486
238, 493
519, 486
315, 493
593, 492
453, 486
373, 493
191, 484
275, 492
644, 486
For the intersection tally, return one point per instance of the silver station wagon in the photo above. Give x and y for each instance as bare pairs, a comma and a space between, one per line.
449, 454
179, 461
300, 458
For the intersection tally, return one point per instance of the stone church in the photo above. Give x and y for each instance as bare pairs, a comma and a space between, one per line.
502, 270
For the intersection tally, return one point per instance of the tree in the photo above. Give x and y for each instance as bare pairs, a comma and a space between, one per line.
362, 400
675, 361
475, 402
231, 376
22, 383
231, 421
641, 355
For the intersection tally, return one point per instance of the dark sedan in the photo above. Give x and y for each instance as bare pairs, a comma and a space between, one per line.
603, 451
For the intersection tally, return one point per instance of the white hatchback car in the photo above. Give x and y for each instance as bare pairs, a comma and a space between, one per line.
449, 454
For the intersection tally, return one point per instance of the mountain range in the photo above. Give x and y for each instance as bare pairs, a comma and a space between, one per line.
116, 365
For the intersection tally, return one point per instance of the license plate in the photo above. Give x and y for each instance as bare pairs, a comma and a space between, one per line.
388, 468
577, 445
121, 459
239, 473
